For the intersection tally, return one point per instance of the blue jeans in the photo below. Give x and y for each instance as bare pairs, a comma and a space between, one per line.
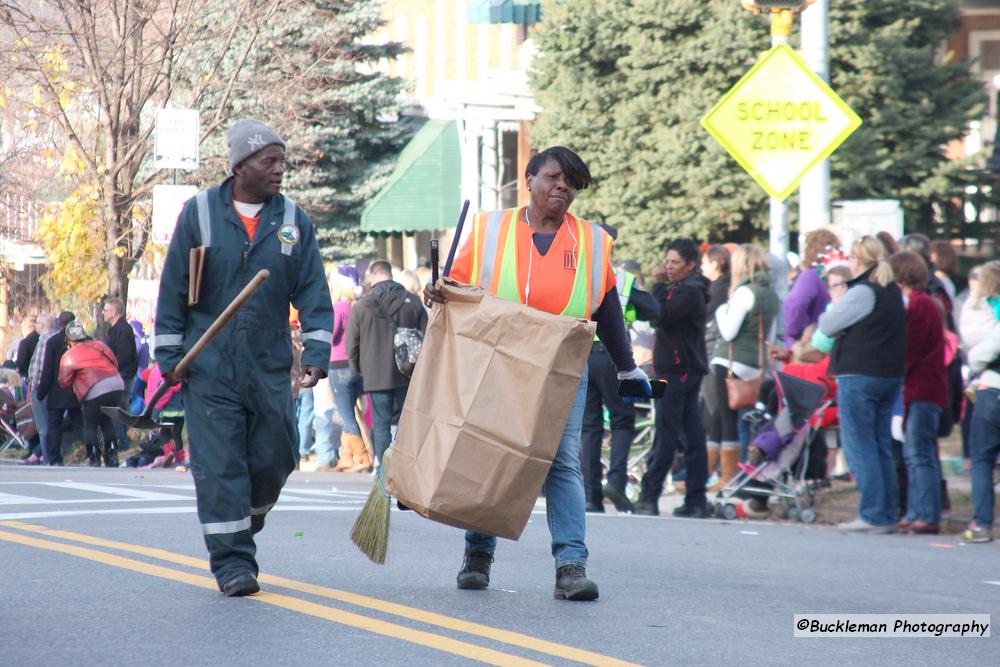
865, 405
346, 385
923, 469
304, 418
385, 408
327, 430
983, 448
564, 497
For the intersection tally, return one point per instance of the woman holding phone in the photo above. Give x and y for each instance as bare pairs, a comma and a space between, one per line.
543, 256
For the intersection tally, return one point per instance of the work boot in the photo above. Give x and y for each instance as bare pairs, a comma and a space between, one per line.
362, 462
686, 511
93, 456
646, 508
620, 500
475, 572
346, 459
572, 584
244, 583
110, 454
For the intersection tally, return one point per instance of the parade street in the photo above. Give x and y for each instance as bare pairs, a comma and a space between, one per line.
108, 567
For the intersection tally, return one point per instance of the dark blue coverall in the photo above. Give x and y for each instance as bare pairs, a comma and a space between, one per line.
237, 396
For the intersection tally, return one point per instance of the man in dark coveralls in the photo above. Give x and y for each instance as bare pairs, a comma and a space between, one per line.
237, 398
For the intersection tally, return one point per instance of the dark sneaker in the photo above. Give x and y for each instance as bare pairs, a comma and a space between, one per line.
691, 512
572, 584
646, 509
621, 502
242, 584
475, 572
595, 508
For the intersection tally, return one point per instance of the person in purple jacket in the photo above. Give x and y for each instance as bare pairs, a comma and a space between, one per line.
808, 296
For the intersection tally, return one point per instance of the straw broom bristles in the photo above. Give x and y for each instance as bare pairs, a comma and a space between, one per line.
371, 530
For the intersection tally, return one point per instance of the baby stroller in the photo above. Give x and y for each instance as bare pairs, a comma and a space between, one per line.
782, 439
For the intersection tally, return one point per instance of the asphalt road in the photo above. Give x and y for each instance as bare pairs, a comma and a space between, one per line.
107, 567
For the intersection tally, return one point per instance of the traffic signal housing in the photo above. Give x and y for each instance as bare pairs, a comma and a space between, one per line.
771, 6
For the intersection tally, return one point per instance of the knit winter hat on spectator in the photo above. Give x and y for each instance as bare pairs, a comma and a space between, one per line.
248, 137
74, 331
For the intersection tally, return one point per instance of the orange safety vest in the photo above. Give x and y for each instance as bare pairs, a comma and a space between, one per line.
569, 280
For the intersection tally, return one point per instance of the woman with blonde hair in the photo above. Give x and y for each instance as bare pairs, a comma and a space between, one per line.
869, 325
984, 363
745, 323
346, 384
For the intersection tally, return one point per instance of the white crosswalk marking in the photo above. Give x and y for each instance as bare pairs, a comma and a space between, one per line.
165, 499
118, 491
12, 499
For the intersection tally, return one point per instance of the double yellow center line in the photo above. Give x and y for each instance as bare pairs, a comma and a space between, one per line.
291, 603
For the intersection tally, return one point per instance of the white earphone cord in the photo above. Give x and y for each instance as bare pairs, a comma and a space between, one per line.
531, 253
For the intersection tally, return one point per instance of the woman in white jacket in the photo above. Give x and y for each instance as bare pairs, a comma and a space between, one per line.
745, 322
984, 363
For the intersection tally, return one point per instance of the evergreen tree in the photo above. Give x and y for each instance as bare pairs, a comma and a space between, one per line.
318, 85
886, 62
626, 82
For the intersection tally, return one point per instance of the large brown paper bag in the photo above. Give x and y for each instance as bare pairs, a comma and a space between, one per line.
485, 410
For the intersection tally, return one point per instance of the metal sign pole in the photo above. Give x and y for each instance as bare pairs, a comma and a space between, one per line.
814, 191
781, 29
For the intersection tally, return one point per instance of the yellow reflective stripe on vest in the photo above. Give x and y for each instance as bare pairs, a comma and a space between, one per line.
597, 266
577, 305
507, 287
624, 281
474, 274
489, 248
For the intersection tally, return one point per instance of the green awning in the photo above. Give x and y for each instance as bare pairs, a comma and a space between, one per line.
424, 192
504, 11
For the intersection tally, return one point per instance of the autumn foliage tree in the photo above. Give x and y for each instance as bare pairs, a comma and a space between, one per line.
88, 73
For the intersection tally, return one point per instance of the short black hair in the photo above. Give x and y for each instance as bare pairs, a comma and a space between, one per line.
573, 167
687, 249
65, 317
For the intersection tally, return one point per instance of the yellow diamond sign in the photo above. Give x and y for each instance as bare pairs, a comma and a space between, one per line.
780, 120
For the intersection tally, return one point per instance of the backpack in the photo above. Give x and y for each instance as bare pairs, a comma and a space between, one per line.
406, 341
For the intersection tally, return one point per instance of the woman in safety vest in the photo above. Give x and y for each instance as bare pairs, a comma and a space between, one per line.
545, 257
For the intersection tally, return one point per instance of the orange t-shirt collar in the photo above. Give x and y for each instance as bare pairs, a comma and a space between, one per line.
250, 224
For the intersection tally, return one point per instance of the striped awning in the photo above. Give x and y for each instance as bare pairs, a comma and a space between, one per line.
504, 11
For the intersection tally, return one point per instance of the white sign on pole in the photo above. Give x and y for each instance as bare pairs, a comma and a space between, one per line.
168, 200
176, 144
142, 295
856, 218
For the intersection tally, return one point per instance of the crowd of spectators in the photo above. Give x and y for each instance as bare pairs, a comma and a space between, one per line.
914, 349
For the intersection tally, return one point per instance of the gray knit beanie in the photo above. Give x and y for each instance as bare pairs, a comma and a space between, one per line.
247, 137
